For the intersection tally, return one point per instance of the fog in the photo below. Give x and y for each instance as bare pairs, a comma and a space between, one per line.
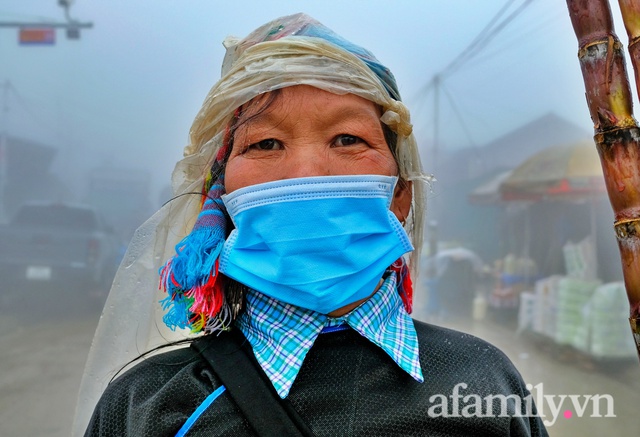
102, 120
125, 93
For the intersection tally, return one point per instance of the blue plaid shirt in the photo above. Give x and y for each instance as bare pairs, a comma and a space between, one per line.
281, 334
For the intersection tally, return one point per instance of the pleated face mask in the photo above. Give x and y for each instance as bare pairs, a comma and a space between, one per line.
317, 242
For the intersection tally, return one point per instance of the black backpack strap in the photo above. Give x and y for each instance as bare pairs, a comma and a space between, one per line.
232, 360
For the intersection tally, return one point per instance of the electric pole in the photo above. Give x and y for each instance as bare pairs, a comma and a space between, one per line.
4, 149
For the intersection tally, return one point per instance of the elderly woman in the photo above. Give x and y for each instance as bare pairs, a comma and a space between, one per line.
300, 179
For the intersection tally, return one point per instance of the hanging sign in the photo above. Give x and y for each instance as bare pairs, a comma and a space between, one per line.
37, 36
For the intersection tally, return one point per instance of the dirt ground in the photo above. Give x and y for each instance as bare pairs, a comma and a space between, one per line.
43, 349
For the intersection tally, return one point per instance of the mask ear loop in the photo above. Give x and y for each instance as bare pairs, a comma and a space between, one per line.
403, 220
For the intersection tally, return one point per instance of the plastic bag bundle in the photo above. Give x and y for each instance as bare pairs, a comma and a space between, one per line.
527, 310
609, 331
571, 315
544, 316
580, 259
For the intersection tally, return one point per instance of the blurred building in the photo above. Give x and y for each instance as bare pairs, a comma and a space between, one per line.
25, 174
122, 195
482, 227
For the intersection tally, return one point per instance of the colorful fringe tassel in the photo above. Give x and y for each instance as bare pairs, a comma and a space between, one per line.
194, 288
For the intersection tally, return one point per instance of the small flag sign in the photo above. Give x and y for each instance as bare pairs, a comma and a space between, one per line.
37, 36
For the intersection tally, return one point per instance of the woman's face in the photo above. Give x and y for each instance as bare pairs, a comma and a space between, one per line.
307, 132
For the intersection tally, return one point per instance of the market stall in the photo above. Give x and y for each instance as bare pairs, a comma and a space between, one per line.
576, 308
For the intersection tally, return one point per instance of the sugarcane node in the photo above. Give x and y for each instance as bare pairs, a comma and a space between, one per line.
599, 48
627, 229
627, 133
609, 143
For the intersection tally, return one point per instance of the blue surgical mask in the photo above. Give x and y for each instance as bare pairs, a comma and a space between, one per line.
319, 242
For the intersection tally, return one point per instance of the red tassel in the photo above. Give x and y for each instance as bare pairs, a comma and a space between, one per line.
406, 285
209, 296
407, 296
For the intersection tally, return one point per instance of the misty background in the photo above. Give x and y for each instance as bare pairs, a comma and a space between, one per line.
488, 83
124, 94
102, 117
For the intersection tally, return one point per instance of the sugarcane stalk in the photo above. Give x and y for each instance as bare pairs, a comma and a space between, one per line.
616, 133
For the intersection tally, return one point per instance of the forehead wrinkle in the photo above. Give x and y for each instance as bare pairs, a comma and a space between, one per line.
343, 116
326, 112
348, 115
265, 120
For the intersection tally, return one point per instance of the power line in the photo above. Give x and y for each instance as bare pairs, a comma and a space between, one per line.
462, 57
459, 115
538, 28
486, 35
495, 25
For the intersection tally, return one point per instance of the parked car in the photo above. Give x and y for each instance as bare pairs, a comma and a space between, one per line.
58, 243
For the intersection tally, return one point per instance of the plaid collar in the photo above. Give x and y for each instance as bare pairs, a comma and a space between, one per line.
281, 334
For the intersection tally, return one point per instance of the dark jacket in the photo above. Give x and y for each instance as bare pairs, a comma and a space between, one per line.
347, 386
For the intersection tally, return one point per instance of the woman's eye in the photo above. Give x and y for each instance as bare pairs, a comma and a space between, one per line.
268, 144
347, 140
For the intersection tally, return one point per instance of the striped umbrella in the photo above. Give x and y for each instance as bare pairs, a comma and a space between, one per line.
558, 172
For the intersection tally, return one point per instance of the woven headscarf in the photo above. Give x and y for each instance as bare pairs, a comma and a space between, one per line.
195, 291
194, 287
